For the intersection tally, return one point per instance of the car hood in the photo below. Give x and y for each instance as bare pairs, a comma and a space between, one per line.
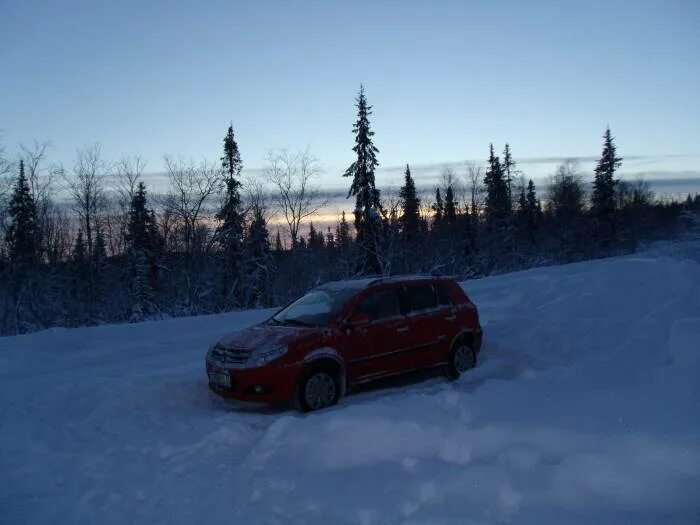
263, 336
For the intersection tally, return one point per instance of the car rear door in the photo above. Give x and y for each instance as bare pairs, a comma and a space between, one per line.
373, 349
429, 324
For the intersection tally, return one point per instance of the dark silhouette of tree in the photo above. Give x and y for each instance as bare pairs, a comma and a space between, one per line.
438, 208
315, 241
278, 242
410, 207
565, 210
529, 212
450, 206
258, 261
342, 233
330, 239
22, 235
508, 171
141, 241
230, 231
497, 207
603, 198
367, 205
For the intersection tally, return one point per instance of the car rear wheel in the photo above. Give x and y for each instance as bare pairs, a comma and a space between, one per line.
317, 389
462, 358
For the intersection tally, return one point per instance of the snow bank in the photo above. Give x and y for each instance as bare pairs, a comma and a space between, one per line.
585, 408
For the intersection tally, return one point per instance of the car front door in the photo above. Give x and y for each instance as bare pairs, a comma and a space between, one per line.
374, 348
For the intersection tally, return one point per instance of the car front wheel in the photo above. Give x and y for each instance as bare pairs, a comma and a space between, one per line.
462, 358
317, 389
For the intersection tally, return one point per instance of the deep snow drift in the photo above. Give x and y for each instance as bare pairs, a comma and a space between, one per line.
584, 408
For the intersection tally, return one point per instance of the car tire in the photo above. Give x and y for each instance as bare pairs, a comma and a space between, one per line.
318, 388
462, 358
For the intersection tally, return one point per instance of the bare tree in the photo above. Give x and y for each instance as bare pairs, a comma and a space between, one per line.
39, 176
86, 187
256, 197
5, 190
475, 176
192, 187
126, 174
296, 197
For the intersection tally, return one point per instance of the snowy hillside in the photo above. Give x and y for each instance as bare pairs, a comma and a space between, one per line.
584, 408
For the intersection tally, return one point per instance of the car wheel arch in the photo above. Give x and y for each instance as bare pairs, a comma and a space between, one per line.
466, 335
331, 358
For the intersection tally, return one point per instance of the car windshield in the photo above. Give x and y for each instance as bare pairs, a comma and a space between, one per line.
316, 308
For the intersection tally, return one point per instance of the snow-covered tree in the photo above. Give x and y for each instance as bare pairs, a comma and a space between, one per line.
230, 215
367, 204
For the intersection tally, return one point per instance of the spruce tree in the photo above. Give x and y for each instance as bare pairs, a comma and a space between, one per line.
367, 205
529, 211
79, 289
141, 247
330, 239
342, 233
258, 261
22, 235
497, 206
450, 206
603, 198
438, 210
278, 242
315, 238
410, 207
230, 231
508, 171
534, 209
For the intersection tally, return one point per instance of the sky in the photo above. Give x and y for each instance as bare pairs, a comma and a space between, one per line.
445, 79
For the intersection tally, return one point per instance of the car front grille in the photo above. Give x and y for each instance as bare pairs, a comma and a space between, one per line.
231, 357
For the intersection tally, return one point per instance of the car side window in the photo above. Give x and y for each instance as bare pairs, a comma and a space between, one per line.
443, 294
420, 297
380, 305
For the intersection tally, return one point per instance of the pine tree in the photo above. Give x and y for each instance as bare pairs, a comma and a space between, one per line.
230, 231
367, 205
603, 198
410, 204
22, 235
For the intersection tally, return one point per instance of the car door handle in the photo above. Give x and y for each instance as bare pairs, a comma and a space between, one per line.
403, 329
450, 318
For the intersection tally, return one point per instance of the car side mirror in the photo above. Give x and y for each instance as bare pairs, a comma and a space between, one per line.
357, 319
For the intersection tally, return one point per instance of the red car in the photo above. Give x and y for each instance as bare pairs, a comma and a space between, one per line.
345, 333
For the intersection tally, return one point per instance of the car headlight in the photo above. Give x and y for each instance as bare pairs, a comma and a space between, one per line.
264, 356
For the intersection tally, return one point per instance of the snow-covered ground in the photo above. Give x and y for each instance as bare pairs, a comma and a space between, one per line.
585, 408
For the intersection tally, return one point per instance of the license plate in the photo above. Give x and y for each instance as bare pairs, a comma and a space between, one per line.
223, 380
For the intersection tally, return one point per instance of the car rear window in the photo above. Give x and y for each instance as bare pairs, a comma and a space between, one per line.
420, 297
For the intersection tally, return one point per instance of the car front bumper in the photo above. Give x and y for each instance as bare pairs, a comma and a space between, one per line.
272, 384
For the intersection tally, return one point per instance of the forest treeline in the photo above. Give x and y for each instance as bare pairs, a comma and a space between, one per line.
116, 253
